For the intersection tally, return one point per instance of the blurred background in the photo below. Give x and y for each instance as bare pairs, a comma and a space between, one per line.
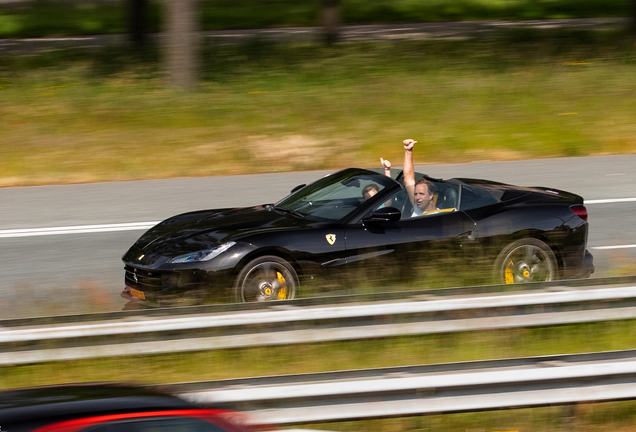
93, 92
123, 90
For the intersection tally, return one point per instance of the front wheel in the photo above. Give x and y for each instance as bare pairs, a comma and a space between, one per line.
265, 279
525, 260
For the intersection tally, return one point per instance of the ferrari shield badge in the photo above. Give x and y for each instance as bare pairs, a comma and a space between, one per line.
331, 238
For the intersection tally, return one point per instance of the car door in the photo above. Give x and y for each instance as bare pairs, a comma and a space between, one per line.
387, 252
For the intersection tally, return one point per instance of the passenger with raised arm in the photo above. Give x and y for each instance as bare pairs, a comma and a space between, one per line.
372, 189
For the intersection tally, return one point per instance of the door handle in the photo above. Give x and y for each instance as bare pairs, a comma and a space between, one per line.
467, 235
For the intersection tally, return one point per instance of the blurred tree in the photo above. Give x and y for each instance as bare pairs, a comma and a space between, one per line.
634, 16
181, 42
330, 19
137, 20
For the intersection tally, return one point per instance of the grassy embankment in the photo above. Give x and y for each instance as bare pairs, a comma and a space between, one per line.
105, 116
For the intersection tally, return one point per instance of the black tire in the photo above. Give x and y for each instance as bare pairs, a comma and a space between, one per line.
525, 260
266, 278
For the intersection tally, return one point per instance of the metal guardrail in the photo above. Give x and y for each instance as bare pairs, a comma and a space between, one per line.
389, 294
309, 320
423, 390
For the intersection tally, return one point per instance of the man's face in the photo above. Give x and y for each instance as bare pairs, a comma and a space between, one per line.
422, 196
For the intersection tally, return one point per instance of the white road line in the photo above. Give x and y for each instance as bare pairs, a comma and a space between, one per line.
82, 229
610, 201
614, 247
85, 229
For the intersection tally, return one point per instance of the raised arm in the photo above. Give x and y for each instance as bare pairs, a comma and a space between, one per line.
387, 167
409, 171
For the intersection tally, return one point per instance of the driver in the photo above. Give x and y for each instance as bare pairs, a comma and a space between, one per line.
421, 193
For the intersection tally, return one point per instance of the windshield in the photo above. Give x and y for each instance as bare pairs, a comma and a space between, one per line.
337, 196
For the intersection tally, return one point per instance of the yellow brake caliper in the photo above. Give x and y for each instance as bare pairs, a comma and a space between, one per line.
510, 279
282, 291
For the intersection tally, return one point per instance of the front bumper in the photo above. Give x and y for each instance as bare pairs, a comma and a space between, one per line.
188, 298
172, 288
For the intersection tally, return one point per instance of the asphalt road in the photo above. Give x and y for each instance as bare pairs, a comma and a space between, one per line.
80, 271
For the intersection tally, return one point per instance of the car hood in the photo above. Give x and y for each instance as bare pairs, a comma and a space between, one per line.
191, 232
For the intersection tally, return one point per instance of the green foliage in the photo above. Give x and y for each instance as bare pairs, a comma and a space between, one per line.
61, 18
228, 14
50, 18
362, 11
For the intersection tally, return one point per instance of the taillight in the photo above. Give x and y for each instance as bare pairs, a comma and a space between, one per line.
580, 211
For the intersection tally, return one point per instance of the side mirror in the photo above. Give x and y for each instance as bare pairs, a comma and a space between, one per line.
385, 214
297, 188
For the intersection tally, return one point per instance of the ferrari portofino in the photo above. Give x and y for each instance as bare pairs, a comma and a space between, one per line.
331, 233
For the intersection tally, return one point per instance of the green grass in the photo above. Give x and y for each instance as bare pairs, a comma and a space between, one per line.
598, 417
72, 116
73, 18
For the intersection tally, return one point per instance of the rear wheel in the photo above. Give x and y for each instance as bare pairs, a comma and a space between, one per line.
525, 260
265, 279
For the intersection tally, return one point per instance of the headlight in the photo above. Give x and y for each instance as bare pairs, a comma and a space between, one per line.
202, 255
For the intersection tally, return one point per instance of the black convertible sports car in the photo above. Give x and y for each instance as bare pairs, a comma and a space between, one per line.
330, 232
